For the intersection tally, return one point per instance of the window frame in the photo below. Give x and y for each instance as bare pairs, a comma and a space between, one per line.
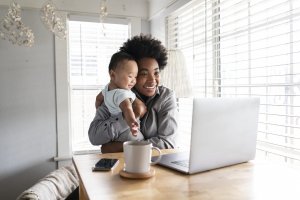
88, 38
62, 86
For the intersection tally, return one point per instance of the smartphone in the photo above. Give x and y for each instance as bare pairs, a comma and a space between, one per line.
105, 164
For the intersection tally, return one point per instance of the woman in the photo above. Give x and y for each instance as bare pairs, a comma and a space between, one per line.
159, 123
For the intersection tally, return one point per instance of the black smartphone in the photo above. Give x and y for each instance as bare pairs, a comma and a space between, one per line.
105, 164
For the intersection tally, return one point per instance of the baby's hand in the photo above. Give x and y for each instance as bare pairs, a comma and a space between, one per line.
99, 100
134, 128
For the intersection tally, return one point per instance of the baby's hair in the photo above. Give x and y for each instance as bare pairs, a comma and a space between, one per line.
145, 46
117, 58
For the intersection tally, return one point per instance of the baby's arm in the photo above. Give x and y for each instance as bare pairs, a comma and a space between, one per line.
129, 116
99, 100
139, 108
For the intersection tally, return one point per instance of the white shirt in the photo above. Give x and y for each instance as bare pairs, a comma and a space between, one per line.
113, 98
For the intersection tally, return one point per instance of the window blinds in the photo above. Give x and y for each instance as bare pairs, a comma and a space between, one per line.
244, 48
91, 46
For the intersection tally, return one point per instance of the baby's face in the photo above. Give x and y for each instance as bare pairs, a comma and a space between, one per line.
124, 76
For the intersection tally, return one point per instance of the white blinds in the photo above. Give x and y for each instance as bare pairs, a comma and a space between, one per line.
247, 48
91, 46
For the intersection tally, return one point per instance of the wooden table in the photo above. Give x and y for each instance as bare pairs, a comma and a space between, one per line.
252, 180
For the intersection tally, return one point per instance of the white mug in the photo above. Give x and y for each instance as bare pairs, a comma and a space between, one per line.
137, 156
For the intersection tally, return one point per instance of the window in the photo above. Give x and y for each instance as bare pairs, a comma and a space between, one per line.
244, 48
91, 45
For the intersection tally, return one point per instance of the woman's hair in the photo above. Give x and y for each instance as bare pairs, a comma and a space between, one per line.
145, 46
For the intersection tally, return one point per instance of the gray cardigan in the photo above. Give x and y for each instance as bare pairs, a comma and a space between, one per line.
159, 124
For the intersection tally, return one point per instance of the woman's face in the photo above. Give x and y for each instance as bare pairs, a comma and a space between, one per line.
148, 76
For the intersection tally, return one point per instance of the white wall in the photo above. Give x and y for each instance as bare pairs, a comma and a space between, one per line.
27, 110
133, 8
28, 127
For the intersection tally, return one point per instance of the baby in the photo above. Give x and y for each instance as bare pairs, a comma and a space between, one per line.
118, 97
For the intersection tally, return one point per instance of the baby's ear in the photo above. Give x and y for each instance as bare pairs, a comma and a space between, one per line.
111, 74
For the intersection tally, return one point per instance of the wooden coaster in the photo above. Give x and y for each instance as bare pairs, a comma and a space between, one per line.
149, 174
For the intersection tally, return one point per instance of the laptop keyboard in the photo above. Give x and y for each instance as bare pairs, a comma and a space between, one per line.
183, 163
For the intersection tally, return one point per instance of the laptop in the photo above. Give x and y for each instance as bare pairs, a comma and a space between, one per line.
223, 133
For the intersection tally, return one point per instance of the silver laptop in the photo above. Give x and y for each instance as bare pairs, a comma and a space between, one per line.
223, 133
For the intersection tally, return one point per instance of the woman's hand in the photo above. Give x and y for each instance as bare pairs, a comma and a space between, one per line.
139, 108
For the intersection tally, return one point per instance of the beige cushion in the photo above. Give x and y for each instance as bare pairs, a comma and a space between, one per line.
56, 185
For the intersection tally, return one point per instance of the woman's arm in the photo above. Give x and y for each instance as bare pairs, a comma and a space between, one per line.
99, 131
112, 147
165, 115
105, 128
167, 124
139, 108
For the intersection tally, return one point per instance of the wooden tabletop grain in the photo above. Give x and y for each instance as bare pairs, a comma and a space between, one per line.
251, 180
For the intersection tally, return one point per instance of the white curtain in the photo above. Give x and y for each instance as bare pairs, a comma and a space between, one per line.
175, 75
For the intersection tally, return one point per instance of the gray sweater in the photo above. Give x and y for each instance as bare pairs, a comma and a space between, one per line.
159, 124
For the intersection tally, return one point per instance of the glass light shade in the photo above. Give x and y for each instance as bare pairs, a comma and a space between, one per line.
52, 20
13, 29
